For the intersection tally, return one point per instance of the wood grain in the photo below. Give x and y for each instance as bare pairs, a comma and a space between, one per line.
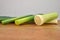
30, 32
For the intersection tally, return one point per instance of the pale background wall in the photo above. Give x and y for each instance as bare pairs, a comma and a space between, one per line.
25, 7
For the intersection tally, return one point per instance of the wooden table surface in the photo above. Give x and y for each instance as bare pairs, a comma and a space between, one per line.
30, 32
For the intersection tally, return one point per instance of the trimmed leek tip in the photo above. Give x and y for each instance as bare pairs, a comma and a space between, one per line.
24, 20
46, 18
